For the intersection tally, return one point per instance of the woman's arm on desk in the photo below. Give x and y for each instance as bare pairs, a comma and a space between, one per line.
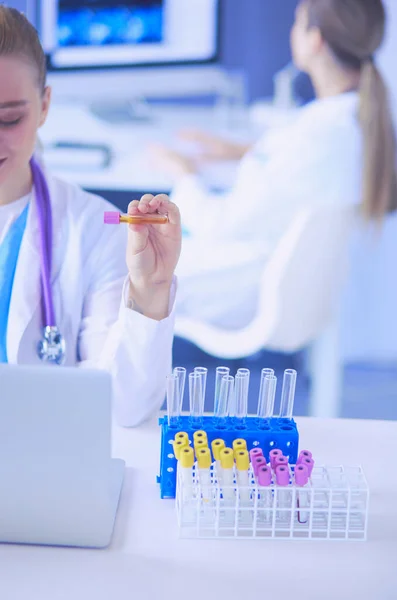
269, 189
214, 148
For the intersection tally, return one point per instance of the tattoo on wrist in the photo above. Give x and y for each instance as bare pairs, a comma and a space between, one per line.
131, 304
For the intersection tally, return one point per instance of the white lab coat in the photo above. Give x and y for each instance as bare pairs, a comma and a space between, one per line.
89, 275
314, 160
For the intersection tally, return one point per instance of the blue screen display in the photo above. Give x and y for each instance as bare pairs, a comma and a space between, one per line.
101, 23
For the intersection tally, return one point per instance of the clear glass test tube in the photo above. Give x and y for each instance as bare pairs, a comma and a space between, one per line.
241, 388
173, 400
226, 394
267, 394
219, 374
288, 394
180, 372
195, 398
244, 372
203, 371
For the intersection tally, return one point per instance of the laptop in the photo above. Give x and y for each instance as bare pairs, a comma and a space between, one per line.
58, 483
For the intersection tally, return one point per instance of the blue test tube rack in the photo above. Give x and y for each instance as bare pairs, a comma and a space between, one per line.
276, 433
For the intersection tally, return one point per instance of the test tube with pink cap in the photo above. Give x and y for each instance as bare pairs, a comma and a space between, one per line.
265, 499
301, 476
284, 498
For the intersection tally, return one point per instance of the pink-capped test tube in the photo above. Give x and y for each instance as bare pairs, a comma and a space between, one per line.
256, 462
309, 463
273, 455
284, 498
265, 499
280, 460
115, 218
301, 476
255, 452
304, 454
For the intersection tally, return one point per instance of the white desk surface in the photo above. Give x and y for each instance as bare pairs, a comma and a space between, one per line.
131, 167
147, 560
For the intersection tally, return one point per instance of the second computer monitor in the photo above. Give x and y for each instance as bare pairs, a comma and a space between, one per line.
108, 33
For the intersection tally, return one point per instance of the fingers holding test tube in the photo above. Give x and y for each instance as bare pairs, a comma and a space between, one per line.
160, 207
152, 255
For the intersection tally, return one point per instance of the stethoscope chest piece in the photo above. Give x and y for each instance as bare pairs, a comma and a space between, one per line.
52, 347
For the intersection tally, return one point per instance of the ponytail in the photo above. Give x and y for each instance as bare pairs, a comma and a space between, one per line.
379, 155
354, 30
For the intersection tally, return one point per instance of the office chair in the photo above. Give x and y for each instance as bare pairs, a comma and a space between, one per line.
298, 304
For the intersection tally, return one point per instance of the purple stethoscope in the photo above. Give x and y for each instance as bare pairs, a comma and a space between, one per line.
52, 347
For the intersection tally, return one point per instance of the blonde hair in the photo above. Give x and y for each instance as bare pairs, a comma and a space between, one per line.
19, 38
353, 31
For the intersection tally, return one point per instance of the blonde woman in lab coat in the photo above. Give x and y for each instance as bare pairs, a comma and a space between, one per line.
339, 150
113, 297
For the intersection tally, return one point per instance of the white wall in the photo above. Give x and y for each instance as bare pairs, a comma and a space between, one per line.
370, 304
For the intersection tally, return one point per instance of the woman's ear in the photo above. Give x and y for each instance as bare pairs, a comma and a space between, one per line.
316, 40
45, 105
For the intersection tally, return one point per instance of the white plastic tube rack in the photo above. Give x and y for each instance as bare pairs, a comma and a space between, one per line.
332, 506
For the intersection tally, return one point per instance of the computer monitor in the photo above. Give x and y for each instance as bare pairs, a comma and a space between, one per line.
102, 33
108, 42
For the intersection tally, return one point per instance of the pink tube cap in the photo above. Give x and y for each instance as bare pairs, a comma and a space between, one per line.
273, 455
111, 218
258, 461
301, 474
282, 475
280, 460
264, 476
255, 452
304, 454
309, 463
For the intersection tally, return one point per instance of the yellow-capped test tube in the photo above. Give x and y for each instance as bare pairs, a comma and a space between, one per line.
242, 468
200, 435
227, 463
200, 443
217, 445
239, 444
186, 457
227, 458
182, 435
242, 460
204, 466
204, 458
185, 468
178, 445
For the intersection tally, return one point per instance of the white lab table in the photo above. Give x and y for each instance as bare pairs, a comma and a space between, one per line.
147, 560
132, 166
